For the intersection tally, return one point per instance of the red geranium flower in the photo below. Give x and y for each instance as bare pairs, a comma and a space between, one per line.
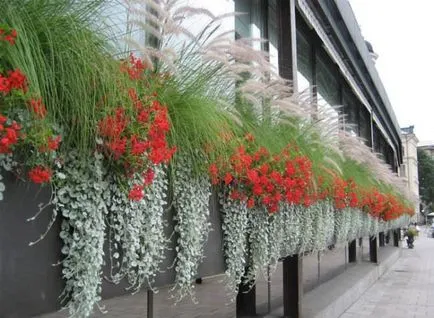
40, 174
136, 193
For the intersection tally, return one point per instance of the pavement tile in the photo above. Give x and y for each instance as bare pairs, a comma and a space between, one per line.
406, 290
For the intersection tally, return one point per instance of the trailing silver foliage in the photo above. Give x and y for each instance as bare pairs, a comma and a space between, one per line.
308, 218
191, 203
258, 242
323, 225
342, 225
290, 224
78, 198
6, 164
234, 226
137, 231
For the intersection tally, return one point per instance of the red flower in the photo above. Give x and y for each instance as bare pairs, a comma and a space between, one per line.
134, 68
40, 174
118, 147
53, 143
228, 178
136, 193
157, 156
4, 85
38, 108
138, 147
213, 170
250, 203
17, 80
8, 36
253, 176
149, 176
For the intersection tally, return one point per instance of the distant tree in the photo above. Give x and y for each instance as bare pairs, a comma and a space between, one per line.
426, 178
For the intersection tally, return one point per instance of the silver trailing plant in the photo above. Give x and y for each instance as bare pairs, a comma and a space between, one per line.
234, 226
191, 194
78, 198
138, 241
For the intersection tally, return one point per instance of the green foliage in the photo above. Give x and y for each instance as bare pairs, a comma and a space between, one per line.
426, 178
67, 60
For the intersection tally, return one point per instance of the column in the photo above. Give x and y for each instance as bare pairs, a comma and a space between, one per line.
292, 265
246, 301
352, 251
381, 239
396, 237
292, 286
373, 249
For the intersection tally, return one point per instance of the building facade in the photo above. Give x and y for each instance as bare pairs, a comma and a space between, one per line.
409, 168
319, 46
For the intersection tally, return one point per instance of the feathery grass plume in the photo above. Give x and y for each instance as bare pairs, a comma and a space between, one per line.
209, 61
355, 149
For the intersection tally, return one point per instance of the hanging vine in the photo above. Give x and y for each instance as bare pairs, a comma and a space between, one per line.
191, 196
79, 200
258, 242
137, 231
235, 225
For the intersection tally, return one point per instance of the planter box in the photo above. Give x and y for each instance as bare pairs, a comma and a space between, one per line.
29, 283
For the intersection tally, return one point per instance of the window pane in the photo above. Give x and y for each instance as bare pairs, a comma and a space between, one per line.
304, 64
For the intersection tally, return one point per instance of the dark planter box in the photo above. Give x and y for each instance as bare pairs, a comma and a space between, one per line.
29, 283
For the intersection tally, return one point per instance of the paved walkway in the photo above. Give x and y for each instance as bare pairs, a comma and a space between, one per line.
212, 298
406, 291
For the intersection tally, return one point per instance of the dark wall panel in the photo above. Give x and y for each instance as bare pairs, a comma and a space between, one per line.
29, 284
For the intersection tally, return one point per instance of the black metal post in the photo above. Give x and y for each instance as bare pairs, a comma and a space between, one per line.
150, 304
381, 239
373, 249
268, 289
246, 301
352, 251
396, 237
292, 286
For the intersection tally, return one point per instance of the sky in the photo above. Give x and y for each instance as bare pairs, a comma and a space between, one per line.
402, 34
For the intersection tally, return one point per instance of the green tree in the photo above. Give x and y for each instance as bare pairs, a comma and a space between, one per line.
426, 178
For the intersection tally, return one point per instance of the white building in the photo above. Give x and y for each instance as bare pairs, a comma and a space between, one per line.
408, 169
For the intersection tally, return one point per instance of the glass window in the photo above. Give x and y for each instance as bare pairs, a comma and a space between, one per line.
304, 64
365, 125
350, 110
328, 91
250, 23
273, 34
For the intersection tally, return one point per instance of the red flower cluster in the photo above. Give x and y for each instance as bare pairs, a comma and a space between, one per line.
135, 134
345, 193
38, 136
14, 80
9, 134
256, 177
259, 179
40, 174
8, 35
38, 108
134, 67
377, 204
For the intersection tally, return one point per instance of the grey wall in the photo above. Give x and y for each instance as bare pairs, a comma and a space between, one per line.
30, 285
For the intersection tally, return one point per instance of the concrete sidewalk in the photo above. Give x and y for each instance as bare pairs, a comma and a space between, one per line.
406, 291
